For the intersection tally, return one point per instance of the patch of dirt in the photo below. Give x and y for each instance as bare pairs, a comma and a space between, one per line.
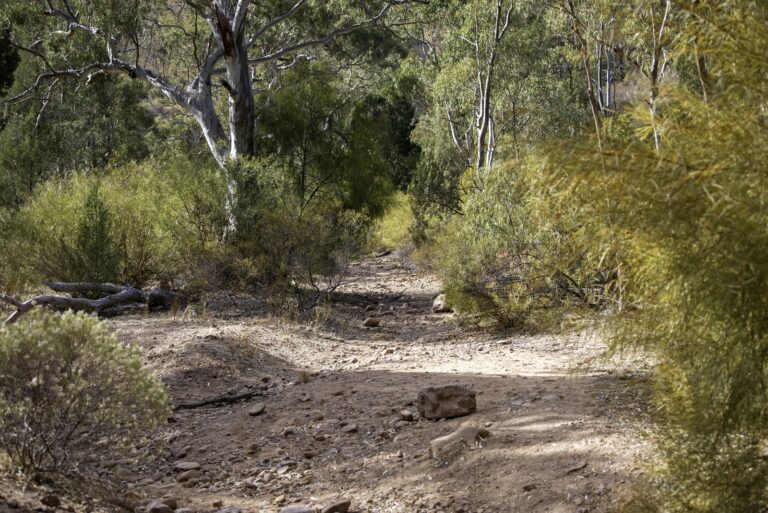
565, 435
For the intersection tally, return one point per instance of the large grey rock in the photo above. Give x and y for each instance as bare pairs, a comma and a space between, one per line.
466, 437
446, 402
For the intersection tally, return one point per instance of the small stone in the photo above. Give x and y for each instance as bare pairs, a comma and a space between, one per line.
338, 507
257, 409
296, 508
406, 415
529, 487
186, 465
186, 476
309, 454
320, 438
218, 503
171, 501
371, 322
440, 305
400, 424
253, 448
51, 500
158, 507
349, 428
283, 469
267, 477
279, 499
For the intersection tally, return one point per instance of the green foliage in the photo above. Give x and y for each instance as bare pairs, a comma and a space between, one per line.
170, 219
502, 260
95, 247
69, 390
297, 248
9, 59
687, 223
79, 128
393, 229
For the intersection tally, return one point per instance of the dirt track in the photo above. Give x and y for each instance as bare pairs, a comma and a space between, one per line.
562, 439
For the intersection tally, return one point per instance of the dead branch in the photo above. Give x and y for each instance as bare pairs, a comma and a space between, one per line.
222, 399
116, 295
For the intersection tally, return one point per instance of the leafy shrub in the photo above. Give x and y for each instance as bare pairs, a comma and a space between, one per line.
298, 249
393, 229
69, 388
690, 218
502, 259
163, 217
95, 248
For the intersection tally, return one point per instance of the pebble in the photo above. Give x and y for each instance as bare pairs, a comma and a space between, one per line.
171, 501
338, 507
158, 507
51, 500
186, 465
257, 409
371, 322
187, 475
297, 508
349, 428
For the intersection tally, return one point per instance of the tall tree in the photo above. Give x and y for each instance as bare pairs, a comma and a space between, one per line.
199, 54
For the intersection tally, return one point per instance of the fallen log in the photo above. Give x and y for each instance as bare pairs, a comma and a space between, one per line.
116, 295
221, 399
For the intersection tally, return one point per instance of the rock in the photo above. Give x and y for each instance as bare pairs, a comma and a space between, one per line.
338, 507
530, 487
158, 507
230, 509
257, 409
218, 503
406, 415
50, 500
171, 501
371, 322
466, 437
446, 402
349, 428
296, 508
187, 475
181, 466
440, 305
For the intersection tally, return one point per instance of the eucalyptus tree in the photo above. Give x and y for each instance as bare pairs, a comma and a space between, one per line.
207, 57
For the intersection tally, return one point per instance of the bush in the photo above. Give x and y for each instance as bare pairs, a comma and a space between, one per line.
504, 261
298, 249
70, 388
163, 215
393, 229
95, 248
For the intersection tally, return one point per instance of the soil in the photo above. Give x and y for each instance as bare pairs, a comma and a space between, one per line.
565, 427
